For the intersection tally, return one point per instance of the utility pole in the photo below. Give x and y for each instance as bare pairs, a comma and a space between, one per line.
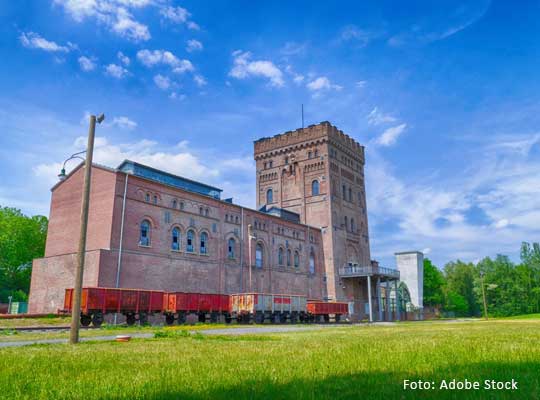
483, 294
77, 291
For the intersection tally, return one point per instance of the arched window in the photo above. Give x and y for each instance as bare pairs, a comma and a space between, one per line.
315, 188
269, 196
147, 197
346, 223
352, 224
311, 262
175, 245
296, 259
288, 258
231, 246
204, 243
350, 195
181, 205
190, 238
280, 256
259, 256
201, 210
144, 239
155, 199
174, 204
344, 189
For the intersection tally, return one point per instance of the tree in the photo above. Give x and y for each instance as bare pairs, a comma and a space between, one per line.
460, 279
457, 304
22, 239
433, 284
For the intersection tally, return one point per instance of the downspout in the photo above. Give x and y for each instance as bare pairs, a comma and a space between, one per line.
242, 250
121, 234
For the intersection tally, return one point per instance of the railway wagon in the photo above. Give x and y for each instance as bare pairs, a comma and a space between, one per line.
318, 310
259, 307
177, 305
135, 304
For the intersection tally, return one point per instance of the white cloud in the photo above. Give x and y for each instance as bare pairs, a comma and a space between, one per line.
244, 68
193, 45
124, 123
32, 40
390, 135
360, 84
178, 15
322, 83
86, 64
354, 34
123, 58
502, 223
377, 117
116, 71
194, 26
114, 14
293, 48
163, 57
199, 80
162, 82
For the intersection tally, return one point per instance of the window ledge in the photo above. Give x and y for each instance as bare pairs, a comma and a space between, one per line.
204, 254
176, 251
145, 246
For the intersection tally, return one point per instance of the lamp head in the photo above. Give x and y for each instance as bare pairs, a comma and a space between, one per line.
100, 118
62, 174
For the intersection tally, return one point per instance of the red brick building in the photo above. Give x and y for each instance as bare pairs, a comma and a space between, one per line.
151, 229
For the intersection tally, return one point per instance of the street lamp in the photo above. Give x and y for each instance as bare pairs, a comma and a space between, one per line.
62, 175
77, 290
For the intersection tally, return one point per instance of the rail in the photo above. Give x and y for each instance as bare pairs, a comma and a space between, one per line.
358, 271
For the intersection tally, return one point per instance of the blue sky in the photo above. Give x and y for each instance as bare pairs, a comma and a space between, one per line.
444, 95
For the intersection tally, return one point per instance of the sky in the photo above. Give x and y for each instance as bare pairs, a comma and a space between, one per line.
445, 96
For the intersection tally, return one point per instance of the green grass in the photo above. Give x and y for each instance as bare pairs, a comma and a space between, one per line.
42, 321
337, 363
525, 316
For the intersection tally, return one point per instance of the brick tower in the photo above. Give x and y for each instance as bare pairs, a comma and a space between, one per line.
318, 173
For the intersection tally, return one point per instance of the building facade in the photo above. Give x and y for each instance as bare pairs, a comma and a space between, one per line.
150, 229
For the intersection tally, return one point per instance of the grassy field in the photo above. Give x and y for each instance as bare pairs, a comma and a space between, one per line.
338, 363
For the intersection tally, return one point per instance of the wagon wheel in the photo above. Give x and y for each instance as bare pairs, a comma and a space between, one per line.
143, 319
97, 319
214, 317
181, 318
283, 318
130, 319
338, 317
169, 319
259, 318
326, 318
228, 319
85, 320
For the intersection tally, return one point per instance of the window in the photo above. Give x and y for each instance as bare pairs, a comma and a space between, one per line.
269, 196
231, 246
309, 154
226, 217
264, 165
316, 153
144, 239
352, 224
350, 195
201, 210
207, 212
190, 237
181, 205
147, 197
259, 256
236, 219
288, 258
280, 256
346, 223
204, 243
315, 188
175, 245
344, 189
155, 199
286, 160
174, 202
296, 259
270, 164
311, 262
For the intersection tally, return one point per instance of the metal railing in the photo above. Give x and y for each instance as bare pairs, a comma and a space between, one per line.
354, 271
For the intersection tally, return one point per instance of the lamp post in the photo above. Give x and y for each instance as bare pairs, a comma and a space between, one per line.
76, 300
483, 294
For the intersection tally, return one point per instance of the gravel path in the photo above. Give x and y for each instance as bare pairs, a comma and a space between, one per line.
224, 331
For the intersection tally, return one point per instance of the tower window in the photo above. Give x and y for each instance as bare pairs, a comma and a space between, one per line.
296, 259
346, 223
204, 243
311, 262
309, 154
280, 256
288, 258
270, 164
147, 197
269, 196
190, 237
344, 190
350, 194
315, 188
155, 199
286, 160
259, 256
230, 248
144, 235
174, 204
352, 224
175, 245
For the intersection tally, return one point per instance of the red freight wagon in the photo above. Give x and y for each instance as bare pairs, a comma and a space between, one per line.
178, 305
259, 307
316, 309
135, 304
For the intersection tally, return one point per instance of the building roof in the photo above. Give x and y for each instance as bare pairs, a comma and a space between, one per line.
157, 175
